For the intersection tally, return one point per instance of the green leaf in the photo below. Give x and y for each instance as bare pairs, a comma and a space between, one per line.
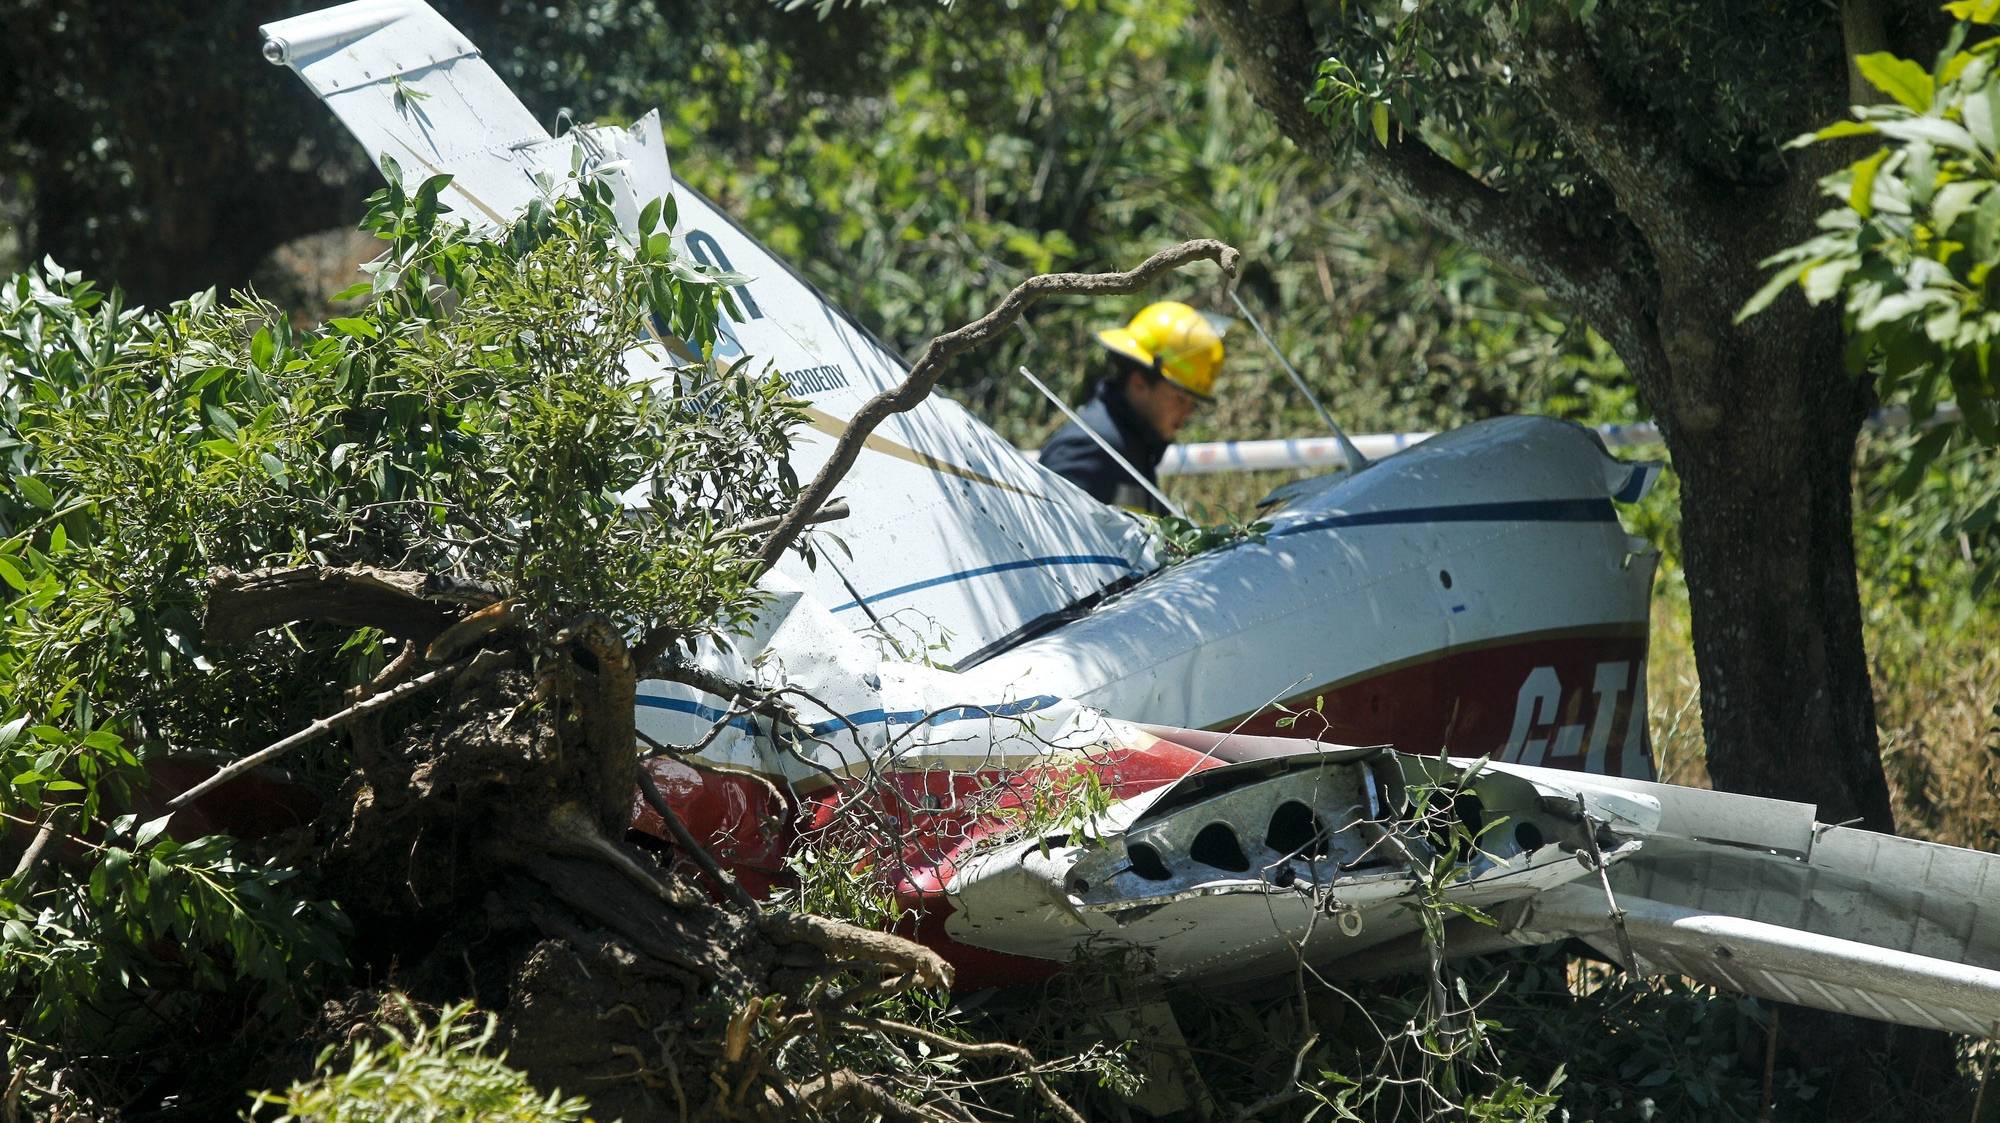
355, 291
1777, 284
1974, 11
219, 419
354, 326
649, 218
36, 492
151, 830
1821, 281
1379, 116
1834, 131
1929, 130
1953, 200
274, 468
1900, 78
11, 574
262, 348
1861, 193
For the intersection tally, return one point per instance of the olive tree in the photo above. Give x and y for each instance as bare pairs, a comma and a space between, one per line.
1628, 157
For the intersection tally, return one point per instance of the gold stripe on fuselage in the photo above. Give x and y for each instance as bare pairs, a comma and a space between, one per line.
834, 427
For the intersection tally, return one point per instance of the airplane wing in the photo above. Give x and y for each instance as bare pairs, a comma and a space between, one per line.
956, 540
1235, 871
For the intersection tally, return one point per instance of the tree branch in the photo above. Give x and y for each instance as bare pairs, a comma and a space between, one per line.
1273, 45
1653, 185
930, 366
694, 850
242, 604
478, 664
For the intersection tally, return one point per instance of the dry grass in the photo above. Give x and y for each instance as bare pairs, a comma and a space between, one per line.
1936, 672
1937, 705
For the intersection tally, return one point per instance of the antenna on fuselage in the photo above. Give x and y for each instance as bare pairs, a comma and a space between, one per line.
1355, 461
1142, 481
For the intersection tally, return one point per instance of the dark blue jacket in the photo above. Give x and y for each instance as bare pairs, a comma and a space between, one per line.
1076, 458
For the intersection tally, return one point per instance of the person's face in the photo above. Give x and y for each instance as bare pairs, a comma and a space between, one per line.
1165, 406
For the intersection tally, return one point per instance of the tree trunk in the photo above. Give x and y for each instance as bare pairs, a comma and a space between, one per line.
1761, 420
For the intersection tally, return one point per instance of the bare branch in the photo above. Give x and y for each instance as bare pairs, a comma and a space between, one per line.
754, 699
930, 366
693, 849
1001, 1049
242, 604
832, 512
478, 664
32, 856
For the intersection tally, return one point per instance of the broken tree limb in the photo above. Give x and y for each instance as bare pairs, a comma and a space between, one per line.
695, 851
478, 664
930, 366
497, 617
846, 941
832, 512
240, 605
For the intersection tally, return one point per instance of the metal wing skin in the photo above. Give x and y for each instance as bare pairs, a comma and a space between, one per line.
1237, 871
956, 539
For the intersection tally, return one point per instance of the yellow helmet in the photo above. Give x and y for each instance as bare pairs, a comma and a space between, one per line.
1175, 341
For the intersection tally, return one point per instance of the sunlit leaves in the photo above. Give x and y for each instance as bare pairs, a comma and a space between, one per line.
485, 414
1910, 246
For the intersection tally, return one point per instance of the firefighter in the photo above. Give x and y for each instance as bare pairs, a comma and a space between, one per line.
1163, 367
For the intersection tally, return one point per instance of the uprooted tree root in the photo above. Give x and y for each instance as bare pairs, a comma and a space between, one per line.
481, 853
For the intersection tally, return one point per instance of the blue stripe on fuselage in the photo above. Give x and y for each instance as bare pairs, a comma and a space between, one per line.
986, 570
1526, 510
865, 717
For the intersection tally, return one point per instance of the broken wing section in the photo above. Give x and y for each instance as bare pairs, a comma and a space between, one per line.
955, 540
1236, 872
1754, 895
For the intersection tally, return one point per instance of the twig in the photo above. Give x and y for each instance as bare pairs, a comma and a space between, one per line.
695, 852
930, 366
1015, 1053
1771, 1069
832, 512
33, 854
480, 662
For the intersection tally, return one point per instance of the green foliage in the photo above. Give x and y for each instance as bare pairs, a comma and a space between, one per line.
1180, 538
480, 417
1908, 250
442, 1072
1087, 135
86, 952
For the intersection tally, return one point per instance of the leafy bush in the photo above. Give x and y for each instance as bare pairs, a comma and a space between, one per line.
436, 1073
479, 418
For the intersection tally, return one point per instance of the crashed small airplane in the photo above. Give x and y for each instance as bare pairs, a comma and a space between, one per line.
962, 684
